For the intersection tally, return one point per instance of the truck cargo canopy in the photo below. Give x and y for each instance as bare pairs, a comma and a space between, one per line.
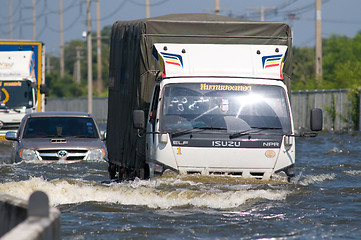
133, 69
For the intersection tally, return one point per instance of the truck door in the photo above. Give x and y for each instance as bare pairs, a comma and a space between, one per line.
152, 123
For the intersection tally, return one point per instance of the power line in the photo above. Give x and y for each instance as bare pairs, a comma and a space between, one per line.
120, 6
284, 10
150, 4
72, 24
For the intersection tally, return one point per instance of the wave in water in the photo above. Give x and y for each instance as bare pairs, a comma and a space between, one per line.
158, 193
310, 179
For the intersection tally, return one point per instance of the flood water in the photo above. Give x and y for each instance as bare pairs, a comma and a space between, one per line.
324, 201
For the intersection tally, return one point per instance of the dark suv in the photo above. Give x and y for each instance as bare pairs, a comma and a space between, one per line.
54, 136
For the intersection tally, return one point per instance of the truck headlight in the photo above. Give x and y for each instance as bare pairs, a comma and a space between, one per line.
28, 154
96, 154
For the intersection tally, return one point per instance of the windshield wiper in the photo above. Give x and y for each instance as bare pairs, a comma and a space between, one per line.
9, 109
197, 128
249, 131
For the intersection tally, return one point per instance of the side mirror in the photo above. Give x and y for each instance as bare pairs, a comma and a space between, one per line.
103, 135
11, 136
316, 119
44, 89
138, 119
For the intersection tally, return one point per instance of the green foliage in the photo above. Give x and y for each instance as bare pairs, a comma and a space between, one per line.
63, 87
341, 64
331, 110
354, 95
303, 69
57, 85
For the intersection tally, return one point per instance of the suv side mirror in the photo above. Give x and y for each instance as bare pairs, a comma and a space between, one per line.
103, 135
11, 136
316, 119
138, 119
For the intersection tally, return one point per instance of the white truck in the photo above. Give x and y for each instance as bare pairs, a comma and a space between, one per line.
22, 84
206, 94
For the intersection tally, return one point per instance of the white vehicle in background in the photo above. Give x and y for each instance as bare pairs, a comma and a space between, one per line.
22, 84
209, 95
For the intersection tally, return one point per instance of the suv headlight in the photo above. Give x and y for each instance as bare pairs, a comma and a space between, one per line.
96, 154
28, 154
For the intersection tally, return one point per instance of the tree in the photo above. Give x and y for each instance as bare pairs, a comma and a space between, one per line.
342, 61
341, 64
63, 87
303, 69
73, 89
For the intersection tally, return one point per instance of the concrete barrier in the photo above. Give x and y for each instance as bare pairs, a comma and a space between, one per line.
28, 220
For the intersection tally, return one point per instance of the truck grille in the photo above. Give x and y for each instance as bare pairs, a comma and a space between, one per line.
62, 154
10, 126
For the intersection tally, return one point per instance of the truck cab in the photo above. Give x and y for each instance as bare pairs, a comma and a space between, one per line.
223, 123
19, 88
230, 126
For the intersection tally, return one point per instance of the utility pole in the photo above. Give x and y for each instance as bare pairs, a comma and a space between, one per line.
216, 7
11, 19
61, 39
262, 10
318, 41
147, 9
99, 53
77, 71
90, 70
34, 20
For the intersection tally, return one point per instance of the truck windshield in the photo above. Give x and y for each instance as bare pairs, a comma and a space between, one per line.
16, 94
44, 127
226, 107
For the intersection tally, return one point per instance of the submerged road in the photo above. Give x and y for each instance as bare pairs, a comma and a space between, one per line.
323, 202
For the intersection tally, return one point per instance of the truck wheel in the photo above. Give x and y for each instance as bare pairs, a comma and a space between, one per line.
112, 169
146, 171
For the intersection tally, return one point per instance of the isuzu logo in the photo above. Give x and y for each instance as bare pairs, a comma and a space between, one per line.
236, 144
62, 154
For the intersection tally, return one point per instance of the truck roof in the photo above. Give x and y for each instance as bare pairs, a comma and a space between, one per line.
188, 28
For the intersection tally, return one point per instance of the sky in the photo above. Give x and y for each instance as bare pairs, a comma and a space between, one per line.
341, 17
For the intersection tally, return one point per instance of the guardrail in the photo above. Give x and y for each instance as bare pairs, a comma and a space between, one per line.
32, 220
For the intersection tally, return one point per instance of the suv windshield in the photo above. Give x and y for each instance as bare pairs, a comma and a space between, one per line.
16, 94
42, 127
231, 107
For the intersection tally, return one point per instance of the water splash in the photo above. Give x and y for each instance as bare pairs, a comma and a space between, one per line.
353, 172
336, 150
311, 179
158, 193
